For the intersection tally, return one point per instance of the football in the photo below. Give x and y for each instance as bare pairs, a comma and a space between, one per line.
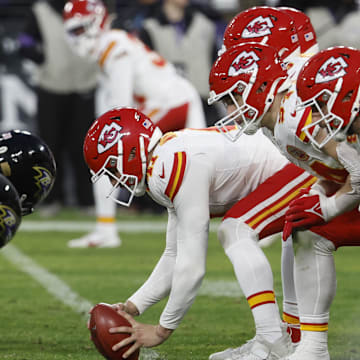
102, 318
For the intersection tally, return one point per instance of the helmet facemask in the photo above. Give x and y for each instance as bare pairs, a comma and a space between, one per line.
129, 182
329, 120
84, 22
243, 118
83, 35
246, 118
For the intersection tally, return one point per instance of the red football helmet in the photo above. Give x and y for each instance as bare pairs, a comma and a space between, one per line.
304, 29
84, 21
117, 145
253, 71
267, 25
331, 78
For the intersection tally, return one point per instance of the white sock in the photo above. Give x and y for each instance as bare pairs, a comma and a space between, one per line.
254, 275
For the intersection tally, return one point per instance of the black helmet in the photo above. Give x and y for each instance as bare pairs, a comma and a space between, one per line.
29, 164
10, 212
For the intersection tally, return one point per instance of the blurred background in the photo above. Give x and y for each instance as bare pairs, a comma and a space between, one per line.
22, 62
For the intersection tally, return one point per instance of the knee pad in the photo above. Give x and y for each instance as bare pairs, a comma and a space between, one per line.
324, 246
232, 230
308, 239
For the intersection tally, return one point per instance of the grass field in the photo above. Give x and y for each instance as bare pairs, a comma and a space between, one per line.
45, 288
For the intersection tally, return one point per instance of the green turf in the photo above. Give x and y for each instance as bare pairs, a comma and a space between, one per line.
34, 325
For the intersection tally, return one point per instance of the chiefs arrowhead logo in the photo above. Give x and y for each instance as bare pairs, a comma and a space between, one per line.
109, 136
244, 63
258, 27
333, 68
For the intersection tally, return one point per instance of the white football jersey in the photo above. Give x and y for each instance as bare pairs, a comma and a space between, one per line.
197, 174
235, 169
133, 75
296, 146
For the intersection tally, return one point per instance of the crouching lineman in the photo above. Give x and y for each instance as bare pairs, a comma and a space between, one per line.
197, 174
255, 97
131, 75
291, 33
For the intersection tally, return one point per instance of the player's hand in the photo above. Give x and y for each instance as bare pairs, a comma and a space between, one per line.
304, 212
141, 335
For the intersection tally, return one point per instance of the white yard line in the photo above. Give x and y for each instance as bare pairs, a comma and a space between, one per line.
61, 291
220, 288
123, 226
58, 288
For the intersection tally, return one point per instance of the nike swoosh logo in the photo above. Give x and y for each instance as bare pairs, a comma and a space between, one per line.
162, 175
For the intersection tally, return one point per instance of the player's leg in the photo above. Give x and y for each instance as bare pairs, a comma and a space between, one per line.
315, 280
290, 308
315, 283
260, 214
254, 275
105, 233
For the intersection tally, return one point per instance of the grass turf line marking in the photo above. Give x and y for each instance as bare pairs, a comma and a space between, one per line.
220, 288
58, 288
122, 226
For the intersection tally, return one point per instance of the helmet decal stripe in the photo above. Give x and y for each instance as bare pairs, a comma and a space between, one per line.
177, 175
305, 120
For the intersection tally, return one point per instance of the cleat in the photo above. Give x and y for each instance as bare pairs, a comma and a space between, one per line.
309, 351
96, 239
231, 353
258, 349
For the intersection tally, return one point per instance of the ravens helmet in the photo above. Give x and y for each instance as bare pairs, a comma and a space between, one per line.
10, 211
30, 166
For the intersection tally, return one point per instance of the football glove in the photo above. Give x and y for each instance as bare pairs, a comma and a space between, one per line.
310, 209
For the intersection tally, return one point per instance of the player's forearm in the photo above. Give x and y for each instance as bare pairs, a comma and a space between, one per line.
350, 159
185, 285
339, 204
348, 196
157, 286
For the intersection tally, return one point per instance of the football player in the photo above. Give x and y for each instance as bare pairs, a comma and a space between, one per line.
282, 28
250, 79
291, 33
131, 75
191, 173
